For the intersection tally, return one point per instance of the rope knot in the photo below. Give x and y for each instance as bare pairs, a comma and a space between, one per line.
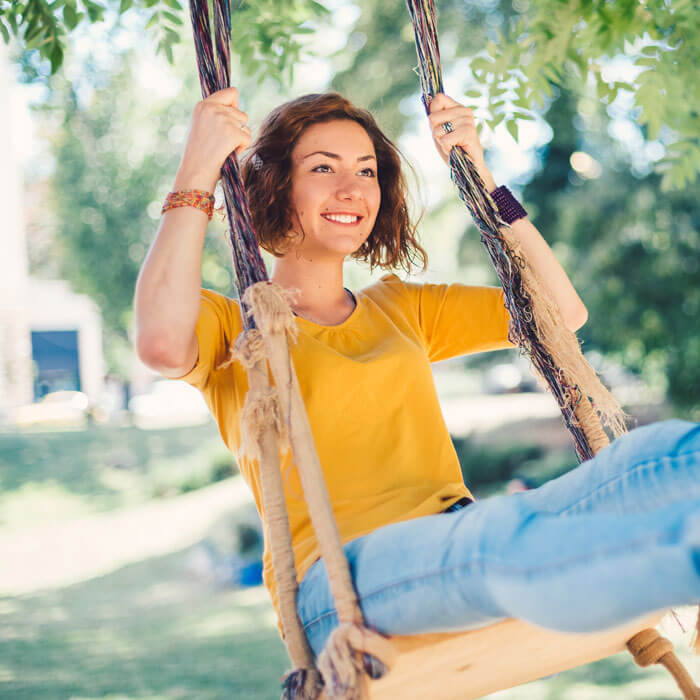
648, 647
302, 684
270, 306
341, 665
249, 348
261, 413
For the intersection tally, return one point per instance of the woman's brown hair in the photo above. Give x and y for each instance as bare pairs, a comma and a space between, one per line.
267, 176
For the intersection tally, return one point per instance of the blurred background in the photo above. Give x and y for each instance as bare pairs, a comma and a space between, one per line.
129, 546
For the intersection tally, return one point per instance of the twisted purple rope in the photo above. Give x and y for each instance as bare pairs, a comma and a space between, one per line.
214, 75
508, 266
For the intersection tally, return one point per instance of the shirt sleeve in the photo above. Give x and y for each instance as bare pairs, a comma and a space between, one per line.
460, 319
218, 326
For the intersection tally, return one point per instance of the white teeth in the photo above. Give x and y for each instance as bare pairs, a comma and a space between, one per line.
341, 218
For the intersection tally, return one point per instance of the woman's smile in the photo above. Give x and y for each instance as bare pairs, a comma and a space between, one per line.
343, 219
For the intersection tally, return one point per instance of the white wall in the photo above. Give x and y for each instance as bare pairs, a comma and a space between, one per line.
15, 343
28, 304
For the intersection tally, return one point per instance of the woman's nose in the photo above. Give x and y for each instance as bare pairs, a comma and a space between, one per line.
348, 186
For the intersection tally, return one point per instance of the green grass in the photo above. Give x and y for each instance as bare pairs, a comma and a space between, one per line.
152, 631
155, 631
49, 476
149, 630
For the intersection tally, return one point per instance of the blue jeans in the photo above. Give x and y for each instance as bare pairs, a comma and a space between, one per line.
615, 538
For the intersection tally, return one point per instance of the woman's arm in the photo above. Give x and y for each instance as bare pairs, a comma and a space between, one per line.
538, 253
167, 298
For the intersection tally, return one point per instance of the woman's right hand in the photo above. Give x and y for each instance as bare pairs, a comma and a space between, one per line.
217, 129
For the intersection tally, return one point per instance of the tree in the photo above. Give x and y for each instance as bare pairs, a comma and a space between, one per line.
115, 162
631, 249
266, 32
538, 44
632, 255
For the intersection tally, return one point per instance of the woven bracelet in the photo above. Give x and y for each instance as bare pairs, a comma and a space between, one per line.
199, 199
509, 207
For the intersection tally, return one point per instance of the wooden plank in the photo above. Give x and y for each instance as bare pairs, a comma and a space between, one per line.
466, 665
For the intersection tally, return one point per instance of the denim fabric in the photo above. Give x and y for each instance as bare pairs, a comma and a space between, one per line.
614, 539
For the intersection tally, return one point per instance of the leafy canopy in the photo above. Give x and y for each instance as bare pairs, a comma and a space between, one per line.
543, 43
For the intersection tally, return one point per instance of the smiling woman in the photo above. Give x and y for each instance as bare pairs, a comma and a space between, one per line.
320, 138
589, 551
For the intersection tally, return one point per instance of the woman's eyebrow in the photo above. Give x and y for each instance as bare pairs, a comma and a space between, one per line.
336, 156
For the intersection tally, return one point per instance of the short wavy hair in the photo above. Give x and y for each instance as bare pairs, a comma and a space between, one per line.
267, 175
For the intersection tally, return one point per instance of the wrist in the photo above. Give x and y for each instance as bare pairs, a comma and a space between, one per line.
486, 177
509, 208
187, 179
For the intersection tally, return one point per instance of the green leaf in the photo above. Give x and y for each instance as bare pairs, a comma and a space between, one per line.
651, 62
472, 93
318, 8
174, 19
512, 127
480, 63
522, 115
70, 17
12, 21
153, 19
174, 37
174, 4
168, 49
124, 5
4, 31
56, 57
95, 11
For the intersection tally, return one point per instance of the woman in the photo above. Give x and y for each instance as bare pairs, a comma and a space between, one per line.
613, 539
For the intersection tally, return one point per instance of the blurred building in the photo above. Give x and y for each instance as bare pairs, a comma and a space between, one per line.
50, 337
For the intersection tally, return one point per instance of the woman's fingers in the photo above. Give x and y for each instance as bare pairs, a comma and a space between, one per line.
228, 97
450, 114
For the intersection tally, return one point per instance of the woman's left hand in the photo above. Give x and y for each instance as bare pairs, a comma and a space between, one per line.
445, 109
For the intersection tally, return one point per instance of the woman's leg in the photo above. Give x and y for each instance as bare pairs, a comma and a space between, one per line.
503, 557
642, 470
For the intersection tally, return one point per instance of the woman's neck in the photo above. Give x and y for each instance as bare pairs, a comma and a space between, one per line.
322, 297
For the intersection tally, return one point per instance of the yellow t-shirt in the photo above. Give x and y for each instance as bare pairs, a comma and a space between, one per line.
371, 400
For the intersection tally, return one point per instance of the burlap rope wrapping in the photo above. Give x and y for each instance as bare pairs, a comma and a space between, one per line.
649, 647
563, 345
264, 433
340, 663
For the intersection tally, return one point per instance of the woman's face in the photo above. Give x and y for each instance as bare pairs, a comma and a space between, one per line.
335, 191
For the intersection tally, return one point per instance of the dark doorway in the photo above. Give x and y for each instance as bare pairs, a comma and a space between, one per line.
55, 354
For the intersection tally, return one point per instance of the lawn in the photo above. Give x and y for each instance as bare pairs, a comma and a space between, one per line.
157, 628
50, 476
154, 630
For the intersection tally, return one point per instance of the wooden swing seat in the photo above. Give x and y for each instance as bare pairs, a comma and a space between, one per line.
472, 664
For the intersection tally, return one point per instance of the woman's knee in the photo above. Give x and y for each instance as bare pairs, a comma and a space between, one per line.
670, 437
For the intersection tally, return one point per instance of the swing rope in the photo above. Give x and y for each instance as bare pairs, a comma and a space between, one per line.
274, 419
536, 322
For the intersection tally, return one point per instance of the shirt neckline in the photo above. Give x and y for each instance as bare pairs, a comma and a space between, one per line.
351, 317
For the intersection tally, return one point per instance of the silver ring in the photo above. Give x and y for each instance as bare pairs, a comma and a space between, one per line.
447, 127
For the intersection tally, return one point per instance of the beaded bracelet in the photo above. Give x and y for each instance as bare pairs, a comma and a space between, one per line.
199, 199
509, 207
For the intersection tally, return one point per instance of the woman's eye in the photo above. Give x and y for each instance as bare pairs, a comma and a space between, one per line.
369, 171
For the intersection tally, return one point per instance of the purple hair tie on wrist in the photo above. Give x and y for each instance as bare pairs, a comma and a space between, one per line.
509, 208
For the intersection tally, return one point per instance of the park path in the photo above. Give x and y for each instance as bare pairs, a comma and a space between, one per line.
63, 553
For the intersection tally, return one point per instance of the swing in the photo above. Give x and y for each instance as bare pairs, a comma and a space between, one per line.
358, 662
